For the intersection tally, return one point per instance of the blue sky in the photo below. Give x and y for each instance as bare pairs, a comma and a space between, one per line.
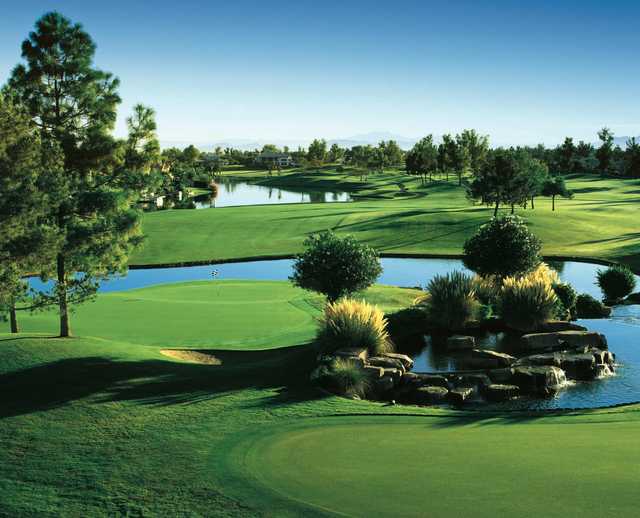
522, 72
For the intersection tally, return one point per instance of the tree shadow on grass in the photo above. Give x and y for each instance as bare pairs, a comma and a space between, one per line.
152, 382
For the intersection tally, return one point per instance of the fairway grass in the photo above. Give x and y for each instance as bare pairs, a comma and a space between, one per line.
600, 222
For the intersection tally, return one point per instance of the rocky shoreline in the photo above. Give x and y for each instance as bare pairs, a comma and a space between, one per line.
545, 363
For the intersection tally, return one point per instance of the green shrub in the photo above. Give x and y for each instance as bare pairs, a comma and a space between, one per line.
589, 307
616, 282
567, 297
527, 302
451, 300
503, 247
344, 377
407, 326
350, 324
335, 266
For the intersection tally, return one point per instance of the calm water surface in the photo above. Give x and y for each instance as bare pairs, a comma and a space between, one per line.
622, 329
233, 193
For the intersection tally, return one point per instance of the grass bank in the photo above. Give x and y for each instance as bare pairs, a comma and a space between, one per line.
600, 222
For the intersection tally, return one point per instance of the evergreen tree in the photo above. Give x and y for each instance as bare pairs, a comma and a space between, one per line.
74, 106
26, 174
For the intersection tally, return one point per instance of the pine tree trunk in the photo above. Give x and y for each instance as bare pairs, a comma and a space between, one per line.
553, 203
513, 209
495, 210
532, 205
65, 331
14, 320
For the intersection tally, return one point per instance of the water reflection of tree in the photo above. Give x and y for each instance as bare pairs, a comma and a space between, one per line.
317, 197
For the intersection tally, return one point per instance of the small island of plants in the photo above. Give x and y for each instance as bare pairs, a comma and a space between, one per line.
363, 353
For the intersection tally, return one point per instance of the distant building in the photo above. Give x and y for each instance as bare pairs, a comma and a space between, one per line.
270, 158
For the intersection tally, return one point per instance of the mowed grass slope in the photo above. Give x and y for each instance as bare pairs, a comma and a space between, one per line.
221, 314
600, 222
91, 427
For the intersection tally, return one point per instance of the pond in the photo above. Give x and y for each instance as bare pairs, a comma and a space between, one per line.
622, 329
234, 193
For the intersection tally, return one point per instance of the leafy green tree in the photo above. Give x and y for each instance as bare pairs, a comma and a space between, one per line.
391, 153
566, 156
317, 152
503, 247
555, 186
335, 266
336, 153
422, 159
74, 106
27, 168
604, 153
586, 161
632, 158
470, 153
502, 180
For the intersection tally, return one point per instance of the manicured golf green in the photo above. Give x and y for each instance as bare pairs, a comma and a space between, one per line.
452, 465
600, 222
208, 314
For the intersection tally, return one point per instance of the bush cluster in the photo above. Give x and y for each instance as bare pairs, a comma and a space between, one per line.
503, 247
616, 282
350, 324
335, 266
451, 300
589, 307
344, 377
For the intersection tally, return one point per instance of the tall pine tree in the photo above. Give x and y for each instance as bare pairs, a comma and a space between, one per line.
74, 106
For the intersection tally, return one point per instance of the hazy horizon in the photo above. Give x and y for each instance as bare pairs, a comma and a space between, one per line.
291, 71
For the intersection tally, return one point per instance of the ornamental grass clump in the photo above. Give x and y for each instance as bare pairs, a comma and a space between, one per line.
451, 300
343, 376
529, 301
616, 282
350, 323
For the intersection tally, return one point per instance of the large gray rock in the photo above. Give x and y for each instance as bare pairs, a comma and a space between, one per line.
503, 375
542, 380
499, 392
383, 385
471, 380
395, 374
430, 395
386, 363
563, 340
433, 380
554, 359
579, 366
358, 355
461, 394
373, 372
485, 359
406, 361
460, 343
554, 326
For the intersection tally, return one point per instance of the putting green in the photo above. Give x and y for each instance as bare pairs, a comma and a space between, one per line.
207, 314
452, 466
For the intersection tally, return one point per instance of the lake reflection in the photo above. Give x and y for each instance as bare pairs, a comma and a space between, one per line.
234, 193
